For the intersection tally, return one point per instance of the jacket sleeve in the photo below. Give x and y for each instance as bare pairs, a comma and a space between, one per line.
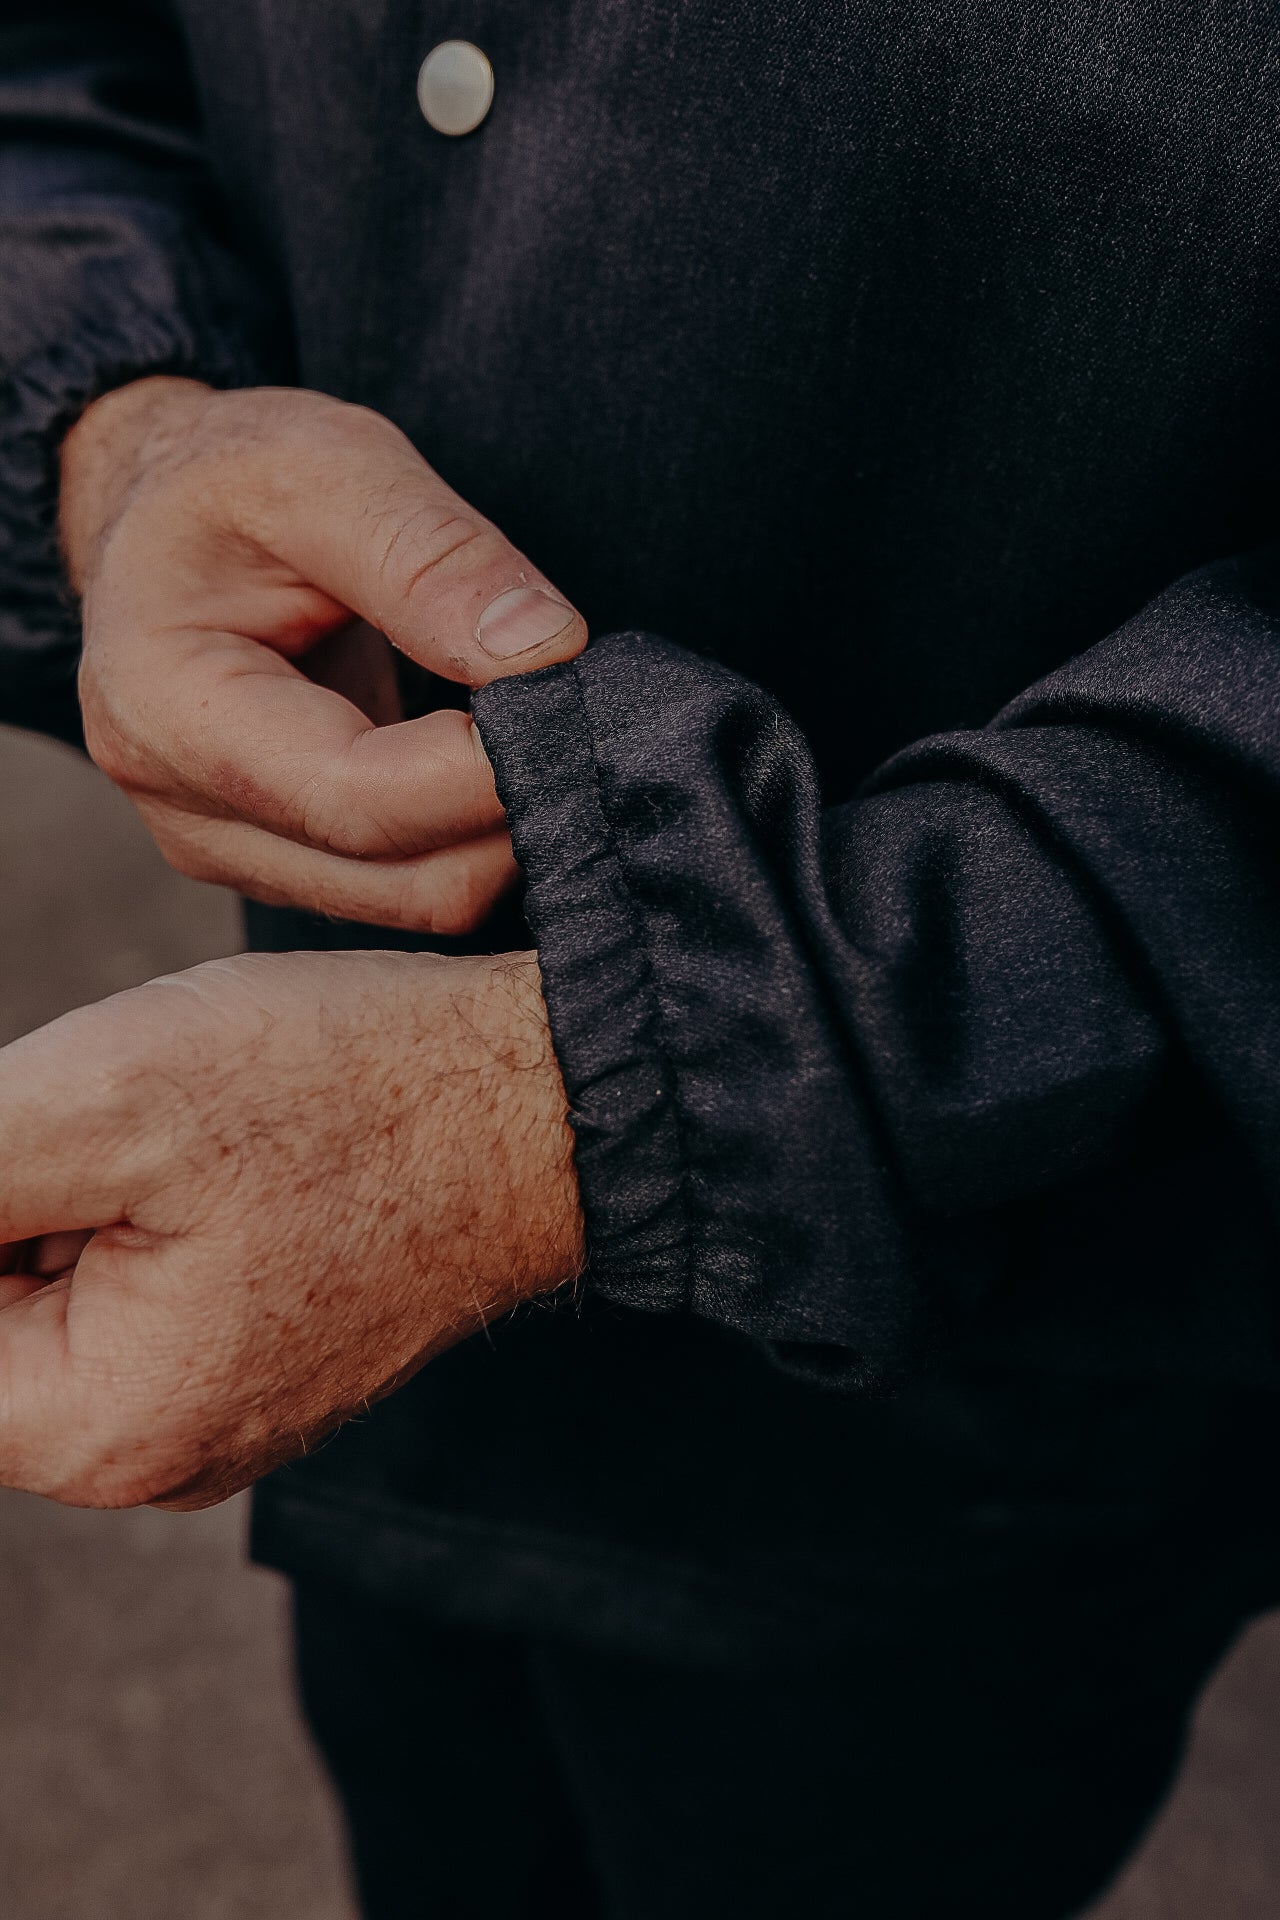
797, 1042
113, 264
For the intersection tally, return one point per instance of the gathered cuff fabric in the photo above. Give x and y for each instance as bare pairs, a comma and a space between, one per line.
700, 1059
113, 340
599, 970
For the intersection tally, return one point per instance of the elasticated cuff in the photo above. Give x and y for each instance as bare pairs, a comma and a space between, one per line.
600, 987
39, 402
664, 813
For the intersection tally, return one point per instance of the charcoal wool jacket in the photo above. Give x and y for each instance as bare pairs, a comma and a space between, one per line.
895, 387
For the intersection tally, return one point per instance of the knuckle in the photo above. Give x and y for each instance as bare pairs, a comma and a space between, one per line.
100, 1478
418, 544
363, 837
353, 417
193, 862
108, 1489
105, 744
350, 839
311, 815
126, 1450
344, 821
461, 746
454, 905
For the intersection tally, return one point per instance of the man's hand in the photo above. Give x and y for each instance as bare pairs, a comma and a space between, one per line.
241, 557
240, 1203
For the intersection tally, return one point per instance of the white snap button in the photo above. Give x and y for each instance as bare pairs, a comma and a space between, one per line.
455, 87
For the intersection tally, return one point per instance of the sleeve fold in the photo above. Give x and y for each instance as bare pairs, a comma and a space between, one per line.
117, 266
804, 1046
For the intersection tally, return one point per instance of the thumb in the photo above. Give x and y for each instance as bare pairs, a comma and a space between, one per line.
354, 509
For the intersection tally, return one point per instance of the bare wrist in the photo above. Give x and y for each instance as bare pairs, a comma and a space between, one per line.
530, 1146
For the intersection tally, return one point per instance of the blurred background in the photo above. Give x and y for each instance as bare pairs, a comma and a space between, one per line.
152, 1766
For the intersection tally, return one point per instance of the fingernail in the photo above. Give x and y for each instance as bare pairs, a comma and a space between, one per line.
521, 619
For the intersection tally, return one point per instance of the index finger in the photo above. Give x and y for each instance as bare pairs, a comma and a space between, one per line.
239, 732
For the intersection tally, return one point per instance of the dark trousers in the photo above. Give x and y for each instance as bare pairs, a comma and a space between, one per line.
982, 1756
